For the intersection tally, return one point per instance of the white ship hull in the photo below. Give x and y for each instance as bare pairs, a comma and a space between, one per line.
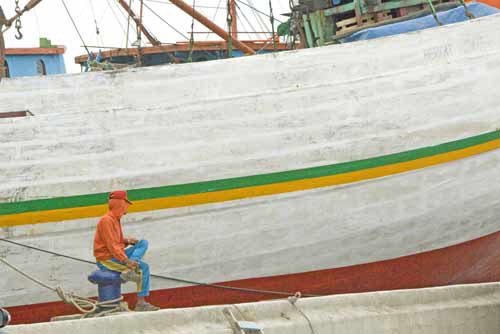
410, 222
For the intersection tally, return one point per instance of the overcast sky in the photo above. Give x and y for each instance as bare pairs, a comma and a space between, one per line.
50, 19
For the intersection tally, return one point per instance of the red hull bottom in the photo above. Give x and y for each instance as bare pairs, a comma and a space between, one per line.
475, 261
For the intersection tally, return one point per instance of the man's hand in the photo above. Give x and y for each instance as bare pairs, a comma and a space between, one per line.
132, 241
131, 263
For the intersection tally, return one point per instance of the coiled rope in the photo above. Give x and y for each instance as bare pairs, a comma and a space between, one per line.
87, 306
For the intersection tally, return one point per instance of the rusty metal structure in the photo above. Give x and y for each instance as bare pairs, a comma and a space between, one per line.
230, 37
212, 26
30, 5
233, 37
138, 22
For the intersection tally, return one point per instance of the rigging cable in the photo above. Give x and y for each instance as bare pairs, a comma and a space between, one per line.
252, 28
76, 28
215, 16
103, 13
292, 30
175, 279
255, 9
139, 31
258, 18
191, 39
229, 22
128, 21
116, 17
37, 21
272, 24
199, 6
97, 31
164, 21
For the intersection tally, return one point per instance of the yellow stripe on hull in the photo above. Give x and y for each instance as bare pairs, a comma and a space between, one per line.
248, 192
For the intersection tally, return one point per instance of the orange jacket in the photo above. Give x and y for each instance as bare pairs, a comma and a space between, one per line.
109, 241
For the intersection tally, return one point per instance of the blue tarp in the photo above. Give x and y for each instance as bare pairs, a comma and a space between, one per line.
445, 17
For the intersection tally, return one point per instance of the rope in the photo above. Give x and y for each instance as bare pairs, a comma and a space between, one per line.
116, 17
229, 20
97, 31
163, 20
293, 300
260, 21
85, 305
199, 6
128, 21
28, 276
37, 21
103, 14
174, 279
215, 16
76, 28
262, 48
252, 28
272, 23
191, 39
255, 9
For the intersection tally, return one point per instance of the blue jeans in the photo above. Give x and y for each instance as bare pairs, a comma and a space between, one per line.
136, 253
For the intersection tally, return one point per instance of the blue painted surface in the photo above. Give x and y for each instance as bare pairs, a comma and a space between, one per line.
108, 282
26, 65
182, 56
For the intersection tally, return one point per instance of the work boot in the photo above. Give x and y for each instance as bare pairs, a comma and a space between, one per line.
130, 276
145, 307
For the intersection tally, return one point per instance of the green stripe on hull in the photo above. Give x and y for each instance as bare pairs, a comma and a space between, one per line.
247, 181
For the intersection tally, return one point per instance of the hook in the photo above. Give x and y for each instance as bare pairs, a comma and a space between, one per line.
19, 34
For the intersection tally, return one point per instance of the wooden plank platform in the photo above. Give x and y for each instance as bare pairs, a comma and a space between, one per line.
366, 19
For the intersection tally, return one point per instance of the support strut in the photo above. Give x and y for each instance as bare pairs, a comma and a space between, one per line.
3, 20
212, 26
139, 24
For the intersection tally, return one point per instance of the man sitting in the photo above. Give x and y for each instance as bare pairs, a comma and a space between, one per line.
110, 252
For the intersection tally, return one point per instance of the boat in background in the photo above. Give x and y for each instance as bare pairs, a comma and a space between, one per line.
175, 53
160, 53
47, 59
312, 23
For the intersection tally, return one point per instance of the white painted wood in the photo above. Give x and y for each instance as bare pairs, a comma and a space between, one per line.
185, 123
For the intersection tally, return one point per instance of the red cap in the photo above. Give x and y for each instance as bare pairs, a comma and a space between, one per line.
119, 194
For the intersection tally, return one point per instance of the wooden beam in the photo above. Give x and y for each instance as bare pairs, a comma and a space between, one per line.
13, 114
35, 51
234, 22
30, 5
210, 25
139, 24
182, 47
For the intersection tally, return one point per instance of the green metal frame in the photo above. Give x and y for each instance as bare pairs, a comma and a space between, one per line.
319, 27
309, 33
381, 7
